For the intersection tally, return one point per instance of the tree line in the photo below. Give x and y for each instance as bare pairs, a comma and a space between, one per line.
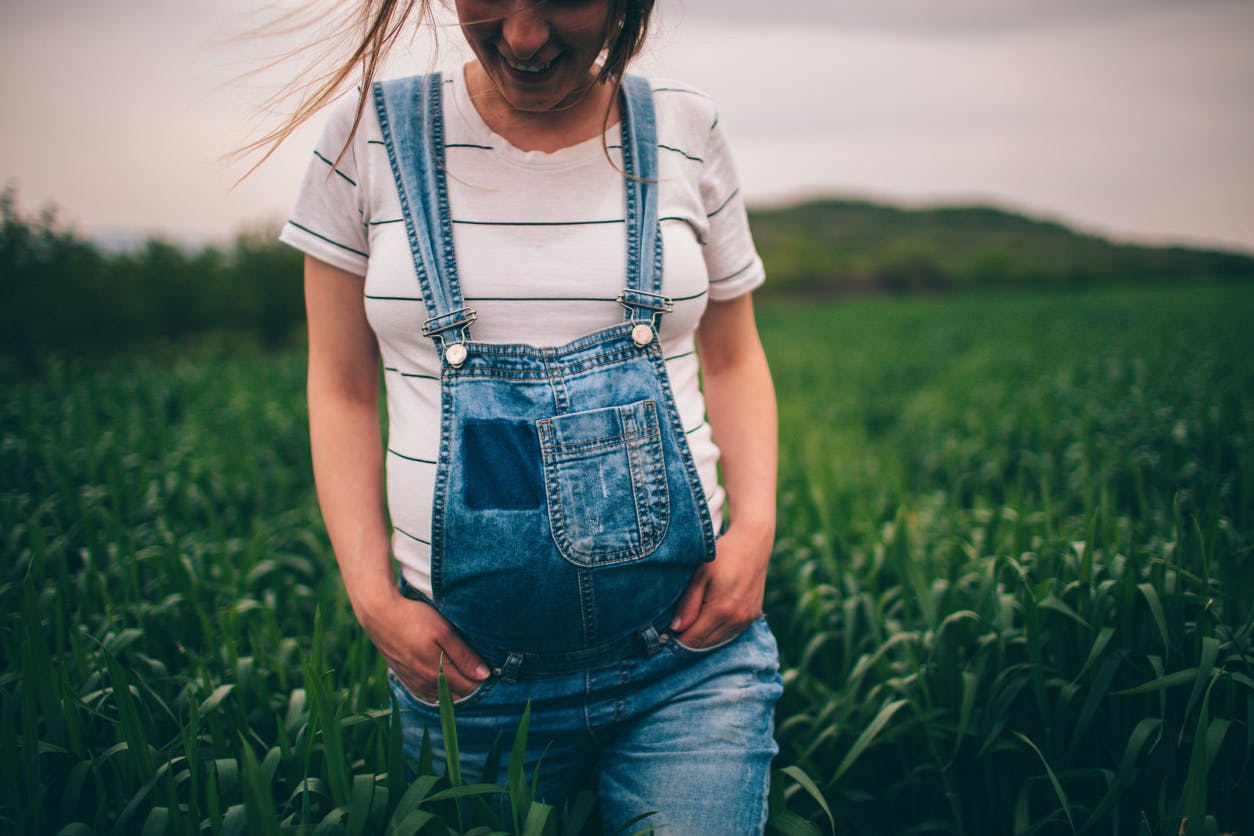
840, 247
62, 296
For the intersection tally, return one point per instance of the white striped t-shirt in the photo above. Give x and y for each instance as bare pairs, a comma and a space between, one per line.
540, 247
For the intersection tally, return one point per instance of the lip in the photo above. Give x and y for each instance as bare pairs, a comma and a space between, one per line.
528, 76
531, 66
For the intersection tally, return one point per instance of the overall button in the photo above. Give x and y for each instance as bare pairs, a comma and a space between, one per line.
455, 354
642, 335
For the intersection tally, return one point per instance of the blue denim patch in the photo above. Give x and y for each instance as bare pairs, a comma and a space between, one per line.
501, 465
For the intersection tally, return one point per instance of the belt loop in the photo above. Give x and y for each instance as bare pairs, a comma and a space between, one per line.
509, 670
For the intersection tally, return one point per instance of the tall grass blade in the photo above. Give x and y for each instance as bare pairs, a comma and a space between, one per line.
788, 823
867, 738
516, 779
128, 717
1053, 780
1156, 610
448, 726
541, 820
395, 755
1171, 680
806, 783
626, 827
258, 798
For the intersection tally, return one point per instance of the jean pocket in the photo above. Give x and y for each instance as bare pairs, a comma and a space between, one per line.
684, 650
405, 696
605, 483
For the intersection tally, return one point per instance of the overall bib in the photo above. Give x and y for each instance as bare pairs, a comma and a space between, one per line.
568, 515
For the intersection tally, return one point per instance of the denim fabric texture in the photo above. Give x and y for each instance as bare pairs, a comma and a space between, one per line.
685, 733
624, 519
569, 516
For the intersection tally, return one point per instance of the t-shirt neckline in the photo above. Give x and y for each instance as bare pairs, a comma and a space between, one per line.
481, 134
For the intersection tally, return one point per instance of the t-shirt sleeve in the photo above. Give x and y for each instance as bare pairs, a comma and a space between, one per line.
730, 256
328, 219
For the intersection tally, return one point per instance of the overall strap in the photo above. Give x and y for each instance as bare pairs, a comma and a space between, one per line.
642, 298
412, 122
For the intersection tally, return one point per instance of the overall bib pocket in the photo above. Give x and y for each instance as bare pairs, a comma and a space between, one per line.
605, 483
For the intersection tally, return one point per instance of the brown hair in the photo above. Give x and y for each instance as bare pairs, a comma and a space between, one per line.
371, 29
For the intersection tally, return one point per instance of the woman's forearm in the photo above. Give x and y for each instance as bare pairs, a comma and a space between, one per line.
740, 406
347, 449
348, 472
725, 596
343, 391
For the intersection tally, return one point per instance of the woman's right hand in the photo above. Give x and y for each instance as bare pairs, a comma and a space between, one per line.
415, 639
348, 469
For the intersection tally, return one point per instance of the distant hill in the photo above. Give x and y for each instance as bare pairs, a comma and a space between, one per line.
845, 246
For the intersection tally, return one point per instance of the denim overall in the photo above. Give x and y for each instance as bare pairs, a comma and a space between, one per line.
568, 514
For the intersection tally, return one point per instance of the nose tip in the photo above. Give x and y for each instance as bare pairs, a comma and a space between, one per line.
525, 32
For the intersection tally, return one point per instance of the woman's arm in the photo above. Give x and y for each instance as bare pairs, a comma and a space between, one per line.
343, 389
725, 596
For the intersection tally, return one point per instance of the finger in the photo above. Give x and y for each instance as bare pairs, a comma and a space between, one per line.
425, 682
689, 607
705, 631
461, 661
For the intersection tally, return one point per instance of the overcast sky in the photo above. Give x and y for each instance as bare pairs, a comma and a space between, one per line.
1128, 117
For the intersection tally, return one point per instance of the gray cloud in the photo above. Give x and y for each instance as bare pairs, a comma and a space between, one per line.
1126, 115
939, 17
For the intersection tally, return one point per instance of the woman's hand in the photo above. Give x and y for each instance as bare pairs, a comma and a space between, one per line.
416, 640
724, 597
348, 470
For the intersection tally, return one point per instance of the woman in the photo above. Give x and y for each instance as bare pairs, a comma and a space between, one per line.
531, 243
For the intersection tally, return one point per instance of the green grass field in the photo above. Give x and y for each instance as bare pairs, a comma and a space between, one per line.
1013, 585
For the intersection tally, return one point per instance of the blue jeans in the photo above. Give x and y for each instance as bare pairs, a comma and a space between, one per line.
686, 733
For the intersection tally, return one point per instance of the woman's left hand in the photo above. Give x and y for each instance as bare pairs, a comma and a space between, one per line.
725, 596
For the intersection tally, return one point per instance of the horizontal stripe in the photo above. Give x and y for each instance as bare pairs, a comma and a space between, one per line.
467, 145
568, 298
395, 370
694, 429
681, 152
539, 299
536, 223
388, 221
410, 536
723, 205
714, 124
375, 142
679, 356
410, 458
394, 298
733, 275
679, 90
328, 240
333, 168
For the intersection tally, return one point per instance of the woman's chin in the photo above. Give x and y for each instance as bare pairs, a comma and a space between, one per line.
553, 88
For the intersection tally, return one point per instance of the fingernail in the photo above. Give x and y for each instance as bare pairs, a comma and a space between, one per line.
481, 672
677, 624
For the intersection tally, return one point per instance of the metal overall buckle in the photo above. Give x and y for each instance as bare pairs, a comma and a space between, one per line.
636, 300
455, 351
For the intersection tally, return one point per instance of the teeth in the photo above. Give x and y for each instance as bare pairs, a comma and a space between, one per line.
529, 68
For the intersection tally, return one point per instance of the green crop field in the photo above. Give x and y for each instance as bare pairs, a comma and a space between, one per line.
1013, 587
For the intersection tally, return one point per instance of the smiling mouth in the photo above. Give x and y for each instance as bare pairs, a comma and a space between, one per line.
528, 66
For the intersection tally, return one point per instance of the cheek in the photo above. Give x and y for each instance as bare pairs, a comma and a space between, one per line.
477, 18
590, 25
